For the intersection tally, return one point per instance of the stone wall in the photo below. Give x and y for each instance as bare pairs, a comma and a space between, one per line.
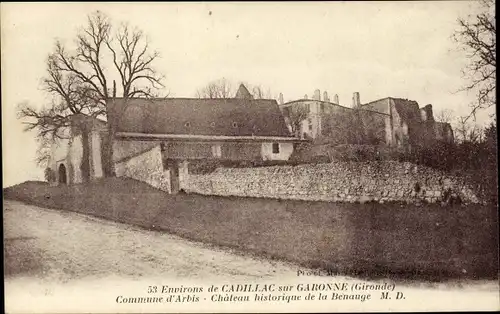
339, 181
285, 150
96, 170
146, 167
74, 160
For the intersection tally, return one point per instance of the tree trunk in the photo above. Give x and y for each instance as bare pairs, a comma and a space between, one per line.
85, 165
109, 166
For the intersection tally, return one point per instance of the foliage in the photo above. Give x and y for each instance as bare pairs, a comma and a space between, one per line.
209, 165
353, 127
475, 158
50, 175
343, 127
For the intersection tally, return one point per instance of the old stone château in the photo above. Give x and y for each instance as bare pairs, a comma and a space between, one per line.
391, 121
155, 138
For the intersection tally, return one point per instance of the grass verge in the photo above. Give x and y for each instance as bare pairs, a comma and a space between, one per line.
368, 240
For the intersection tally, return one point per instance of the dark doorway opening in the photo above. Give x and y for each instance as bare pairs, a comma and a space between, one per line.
62, 174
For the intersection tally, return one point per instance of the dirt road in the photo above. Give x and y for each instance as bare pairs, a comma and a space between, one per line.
58, 261
61, 246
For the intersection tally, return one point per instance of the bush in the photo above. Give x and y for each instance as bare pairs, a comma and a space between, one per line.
50, 175
302, 152
206, 166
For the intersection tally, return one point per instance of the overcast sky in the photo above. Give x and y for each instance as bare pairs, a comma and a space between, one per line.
379, 49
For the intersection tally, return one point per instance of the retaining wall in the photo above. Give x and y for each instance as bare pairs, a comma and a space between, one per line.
338, 181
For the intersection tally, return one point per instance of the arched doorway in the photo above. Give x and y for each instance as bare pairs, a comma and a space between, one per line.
62, 174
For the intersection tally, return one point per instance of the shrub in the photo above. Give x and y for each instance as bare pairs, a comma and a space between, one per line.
206, 166
50, 175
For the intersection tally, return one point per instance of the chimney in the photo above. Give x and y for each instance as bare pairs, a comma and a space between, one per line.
317, 95
280, 99
336, 99
305, 96
325, 96
355, 100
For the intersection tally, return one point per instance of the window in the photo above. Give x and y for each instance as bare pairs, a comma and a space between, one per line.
216, 150
187, 124
235, 124
276, 148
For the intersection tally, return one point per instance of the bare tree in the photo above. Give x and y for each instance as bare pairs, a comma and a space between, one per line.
477, 37
444, 115
294, 116
467, 131
82, 84
490, 134
43, 152
259, 92
220, 88
52, 121
71, 99
223, 88
43, 157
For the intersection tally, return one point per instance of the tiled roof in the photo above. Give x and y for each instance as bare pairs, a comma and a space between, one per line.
226, 116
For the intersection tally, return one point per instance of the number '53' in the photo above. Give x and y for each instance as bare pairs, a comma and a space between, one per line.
152, 289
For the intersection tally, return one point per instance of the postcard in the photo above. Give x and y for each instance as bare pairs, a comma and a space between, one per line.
231, 157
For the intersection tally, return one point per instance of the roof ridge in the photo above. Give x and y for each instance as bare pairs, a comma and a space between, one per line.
368, 103
193, 98
332, 103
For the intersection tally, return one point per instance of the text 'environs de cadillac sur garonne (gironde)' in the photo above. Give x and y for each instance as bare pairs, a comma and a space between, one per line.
270, 292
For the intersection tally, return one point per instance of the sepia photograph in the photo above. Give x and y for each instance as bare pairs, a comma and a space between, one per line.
229, 157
